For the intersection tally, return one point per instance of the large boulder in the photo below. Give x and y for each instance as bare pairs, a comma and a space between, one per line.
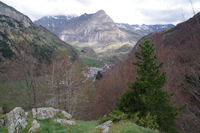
65, 122
16, 120
66, 115
2, 120
35, 126
48, 112
44, 112
105, 126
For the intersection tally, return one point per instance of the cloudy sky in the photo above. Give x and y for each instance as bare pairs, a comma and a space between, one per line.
123, 11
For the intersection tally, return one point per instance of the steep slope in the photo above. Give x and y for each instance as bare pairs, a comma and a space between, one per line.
179, 49
26, 55
17, 30
97, 31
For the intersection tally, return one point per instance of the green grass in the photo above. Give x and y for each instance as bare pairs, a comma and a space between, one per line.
3, 130
84, 127
92, 62
49, 126
128, 127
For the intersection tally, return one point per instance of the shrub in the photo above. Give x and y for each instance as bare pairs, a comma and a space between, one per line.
148, 121
115, 116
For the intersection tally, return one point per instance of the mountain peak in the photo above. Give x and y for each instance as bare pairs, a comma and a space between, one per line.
101, 16
101, 11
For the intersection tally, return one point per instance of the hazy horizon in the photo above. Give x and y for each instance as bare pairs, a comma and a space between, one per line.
121, 11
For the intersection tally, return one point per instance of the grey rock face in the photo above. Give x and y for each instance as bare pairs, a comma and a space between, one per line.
44, 113
35, 126
2, 123
11, 12
66, 115
48, 112
65, 122
16, 120
97, 31
105, 126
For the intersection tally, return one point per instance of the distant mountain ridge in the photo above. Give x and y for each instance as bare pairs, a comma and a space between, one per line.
97, 31
144, 29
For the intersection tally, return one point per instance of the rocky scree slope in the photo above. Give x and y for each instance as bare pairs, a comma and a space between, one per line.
179, 49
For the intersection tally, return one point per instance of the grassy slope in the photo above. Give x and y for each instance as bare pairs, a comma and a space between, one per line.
49, 126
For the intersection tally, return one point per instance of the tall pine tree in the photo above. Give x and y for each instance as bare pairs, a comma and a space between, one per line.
146, 94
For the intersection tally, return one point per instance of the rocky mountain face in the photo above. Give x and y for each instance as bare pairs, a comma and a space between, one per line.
11, 12
179, 49
17, 31
97, 31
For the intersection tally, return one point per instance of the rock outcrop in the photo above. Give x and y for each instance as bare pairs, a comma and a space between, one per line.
16, 120
2, 123
66, 115
48, 112
11, 12
35, 126
105, 126
65, 122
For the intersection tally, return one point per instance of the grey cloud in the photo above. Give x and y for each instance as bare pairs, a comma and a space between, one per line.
84, 2
164, 16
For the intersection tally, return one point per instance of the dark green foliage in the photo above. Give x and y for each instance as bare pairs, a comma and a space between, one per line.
5, 50
43, 52
192, 86
146, 94
115, 115
3, 35
74, 55
148, 121
5, 108
99, 75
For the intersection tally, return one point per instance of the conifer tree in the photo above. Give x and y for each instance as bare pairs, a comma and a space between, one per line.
146, 94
